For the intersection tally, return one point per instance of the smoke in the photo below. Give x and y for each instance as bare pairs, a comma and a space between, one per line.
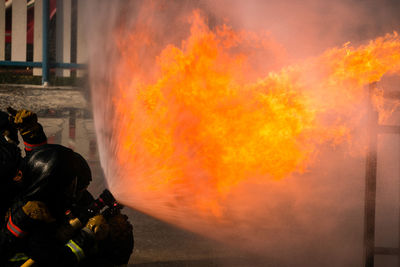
307, 28
311, 217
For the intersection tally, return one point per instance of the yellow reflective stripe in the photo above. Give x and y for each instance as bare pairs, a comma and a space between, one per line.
19, 257
76, 249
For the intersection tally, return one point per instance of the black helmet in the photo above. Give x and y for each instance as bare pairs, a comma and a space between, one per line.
82, 171
54, 174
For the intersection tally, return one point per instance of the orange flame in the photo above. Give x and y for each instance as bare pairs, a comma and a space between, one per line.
206, 119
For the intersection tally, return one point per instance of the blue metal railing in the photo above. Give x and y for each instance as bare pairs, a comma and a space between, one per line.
40, 65
21, 64
45, 64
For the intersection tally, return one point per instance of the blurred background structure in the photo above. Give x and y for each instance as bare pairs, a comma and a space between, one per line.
40, 37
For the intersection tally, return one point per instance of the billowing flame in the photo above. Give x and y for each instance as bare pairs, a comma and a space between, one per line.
205, 120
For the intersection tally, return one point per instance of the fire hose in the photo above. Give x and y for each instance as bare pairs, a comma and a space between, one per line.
96, 207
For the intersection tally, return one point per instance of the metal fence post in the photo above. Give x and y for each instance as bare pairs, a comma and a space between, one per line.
370, 183
2, 30
45, 57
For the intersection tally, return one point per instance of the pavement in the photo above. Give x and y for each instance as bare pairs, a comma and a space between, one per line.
66, 117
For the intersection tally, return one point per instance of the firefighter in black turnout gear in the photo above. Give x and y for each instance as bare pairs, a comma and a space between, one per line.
116, 247
48, 181
7, 128
53, 174
31, 131
11, 161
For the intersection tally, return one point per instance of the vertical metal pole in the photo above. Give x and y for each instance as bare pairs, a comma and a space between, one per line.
72, 127
45, 58
63, 35
2, 30
370, 184
398, 236
92, 149
38, 36
81, 40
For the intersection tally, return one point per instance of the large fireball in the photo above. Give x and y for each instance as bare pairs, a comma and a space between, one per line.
200, 134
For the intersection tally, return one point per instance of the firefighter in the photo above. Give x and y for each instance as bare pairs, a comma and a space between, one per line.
11, 161
116, 248
7, 129
55, 180
10, 182
31, 131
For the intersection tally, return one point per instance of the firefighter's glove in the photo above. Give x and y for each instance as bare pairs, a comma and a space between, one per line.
25, 121
38, 211
98, 226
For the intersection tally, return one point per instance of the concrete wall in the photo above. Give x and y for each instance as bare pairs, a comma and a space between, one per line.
37, 36
18, 30
63, 35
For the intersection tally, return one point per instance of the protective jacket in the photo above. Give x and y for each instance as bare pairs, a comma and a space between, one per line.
52, 172
10, 160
